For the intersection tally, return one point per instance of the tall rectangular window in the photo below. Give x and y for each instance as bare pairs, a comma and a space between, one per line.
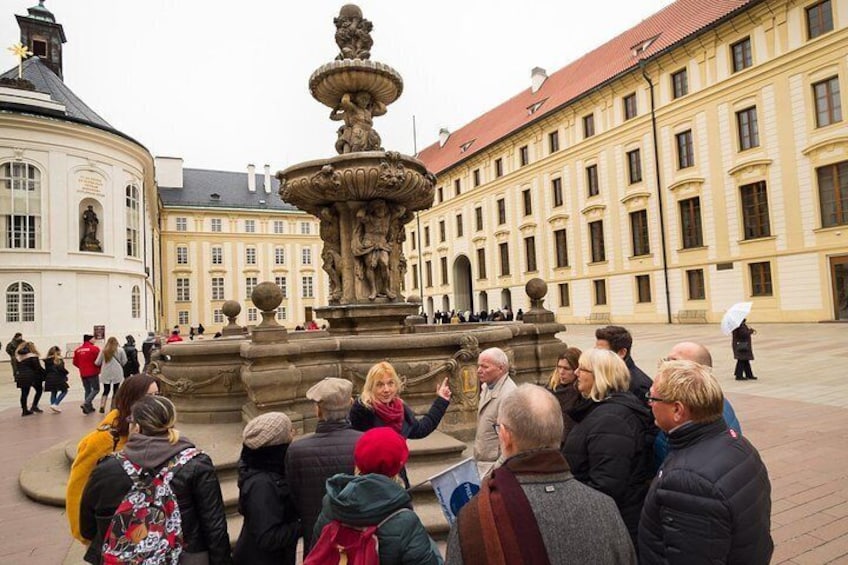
217, 255
412, 240
564, 297
556, 189
414, 276
182, 255
690, 223
760, 278
305, 228
561, 243
695, 284
819, 19
283, 283
252, 314
279, 255
833, 194
553, 142
307, 287
679, 83
182, 224
459, 226
132, 218
442, 234
478, 218
217, 288
481, 263
282, 313
501, 211
592, 180
503, 248
20, 302
755, 211
20, 203
600, 286
746, 126
250, 226
426, 236
306, 256
499, 167
182, 317
530, 253
135, 302
443, 263
741, 51
643, 288
21, 232
215, 225
588, 125
217, 316
596, 237
527, 199
250, 256
440, 195
634, 166
523, 155
183, 289
249, 284
639, 233
828, 102
685, 151
279, 226
630, 106
457, 187
475, 177
428, 273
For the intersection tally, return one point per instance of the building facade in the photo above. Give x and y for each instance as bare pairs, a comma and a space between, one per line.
78, 207
222, 234
697, 160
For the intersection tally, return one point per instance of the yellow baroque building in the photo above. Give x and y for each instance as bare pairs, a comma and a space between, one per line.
224, 232
697, 160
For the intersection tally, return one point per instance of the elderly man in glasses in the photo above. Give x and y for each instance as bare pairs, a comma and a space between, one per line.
711, 499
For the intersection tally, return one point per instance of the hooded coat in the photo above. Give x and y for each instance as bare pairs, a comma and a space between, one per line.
56, 376
365, 500
195, 486
30, 372
610, 449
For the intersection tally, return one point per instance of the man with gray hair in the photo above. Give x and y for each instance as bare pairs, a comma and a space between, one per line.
711, 499
314, 458
531, 509
495, 383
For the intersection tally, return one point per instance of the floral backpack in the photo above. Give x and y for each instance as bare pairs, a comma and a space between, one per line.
146, 528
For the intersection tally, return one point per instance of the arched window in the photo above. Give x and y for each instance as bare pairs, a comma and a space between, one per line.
135, 302
132, 210
20, 205
20, 302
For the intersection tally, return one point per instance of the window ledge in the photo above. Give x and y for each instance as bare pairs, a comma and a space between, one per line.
593, 263
644, 256
692, 249
832, 229
757, 239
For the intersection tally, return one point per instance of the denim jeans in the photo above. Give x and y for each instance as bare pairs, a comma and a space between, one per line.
57, 396
91, 385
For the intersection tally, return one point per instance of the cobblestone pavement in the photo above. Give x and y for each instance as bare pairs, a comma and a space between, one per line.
796, 414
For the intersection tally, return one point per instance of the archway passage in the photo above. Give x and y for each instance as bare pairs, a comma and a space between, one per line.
506, 299
462, 290
430, 309
445, 303
483, 300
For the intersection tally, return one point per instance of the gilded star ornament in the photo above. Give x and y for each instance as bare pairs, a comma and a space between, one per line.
21, 52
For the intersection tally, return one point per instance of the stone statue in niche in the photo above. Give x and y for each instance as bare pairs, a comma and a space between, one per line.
371, 246
357, 134
332, 252
353, 34
89, 241
396, 238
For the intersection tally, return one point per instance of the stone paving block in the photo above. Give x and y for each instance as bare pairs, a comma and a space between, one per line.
833, 530
807, 525
807, 509
835, 551
785, 551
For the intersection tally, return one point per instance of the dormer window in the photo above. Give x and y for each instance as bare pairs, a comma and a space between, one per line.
467, 145
215, 196
532, 108
643, 46
39, 48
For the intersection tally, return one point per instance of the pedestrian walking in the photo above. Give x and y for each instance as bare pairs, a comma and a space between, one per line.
84, 359
56, 378
30, 376
147, 347
131, 367
111, 362
743, 352
11, 349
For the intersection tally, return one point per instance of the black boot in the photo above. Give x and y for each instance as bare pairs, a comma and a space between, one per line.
26, 412
36, 410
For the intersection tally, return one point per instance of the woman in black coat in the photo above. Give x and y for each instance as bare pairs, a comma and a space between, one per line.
131, 367
30, 375
271, 527
609, 449
152, 443
56, 378
743, 352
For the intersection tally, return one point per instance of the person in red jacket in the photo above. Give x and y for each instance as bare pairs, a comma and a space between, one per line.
84, 357
175, 336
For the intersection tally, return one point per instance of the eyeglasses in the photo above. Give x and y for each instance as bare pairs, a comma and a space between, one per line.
652, 399
497, 427
582, 370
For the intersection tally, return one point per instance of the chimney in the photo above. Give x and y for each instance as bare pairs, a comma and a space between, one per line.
168, 171
251, 177
538, 76
267, 179
444, 134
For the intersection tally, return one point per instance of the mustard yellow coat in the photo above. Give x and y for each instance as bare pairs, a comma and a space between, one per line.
90, 450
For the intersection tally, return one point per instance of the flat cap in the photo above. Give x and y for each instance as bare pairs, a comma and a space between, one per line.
331, 393
273, 428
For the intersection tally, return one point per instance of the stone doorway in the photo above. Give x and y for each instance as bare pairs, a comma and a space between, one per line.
839, 278
462, 290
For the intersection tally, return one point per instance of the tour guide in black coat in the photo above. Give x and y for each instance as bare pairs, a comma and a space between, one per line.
711, 499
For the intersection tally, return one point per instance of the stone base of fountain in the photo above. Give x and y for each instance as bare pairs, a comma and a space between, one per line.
378, 318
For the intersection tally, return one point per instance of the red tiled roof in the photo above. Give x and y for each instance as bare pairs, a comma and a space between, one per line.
670, 25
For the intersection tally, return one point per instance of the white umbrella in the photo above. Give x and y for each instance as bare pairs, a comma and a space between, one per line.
732, 319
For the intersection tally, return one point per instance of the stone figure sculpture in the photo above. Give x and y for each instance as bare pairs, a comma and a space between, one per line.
89, 240
358, 133
332, 252
371, 247
353, 34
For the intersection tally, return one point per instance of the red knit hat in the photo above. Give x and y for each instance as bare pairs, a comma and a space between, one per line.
381, 450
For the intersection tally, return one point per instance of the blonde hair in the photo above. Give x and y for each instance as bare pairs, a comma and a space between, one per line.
26, 344
156, 416
610, 372
381, 369
55, 353
694, 386
572, 355
110, 348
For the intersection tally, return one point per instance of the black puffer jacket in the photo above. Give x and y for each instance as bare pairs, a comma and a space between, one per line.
710, 502
312, 460
271, 528
640, 383
30, 372
610, 450
56, 376
195, 485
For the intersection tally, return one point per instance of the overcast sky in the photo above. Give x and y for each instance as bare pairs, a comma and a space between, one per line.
224, 84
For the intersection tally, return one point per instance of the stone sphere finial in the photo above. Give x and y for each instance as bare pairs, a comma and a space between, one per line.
536, 289
266, 296
231, 309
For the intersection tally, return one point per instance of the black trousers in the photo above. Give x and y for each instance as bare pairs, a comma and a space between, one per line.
743, 369
37, 386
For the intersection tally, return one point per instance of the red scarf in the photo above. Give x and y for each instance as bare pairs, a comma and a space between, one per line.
391, 413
